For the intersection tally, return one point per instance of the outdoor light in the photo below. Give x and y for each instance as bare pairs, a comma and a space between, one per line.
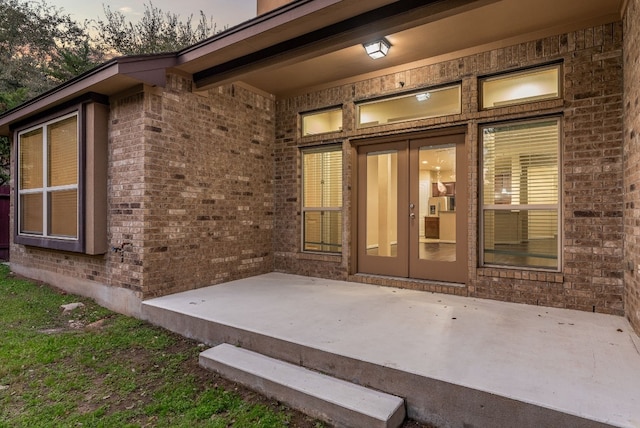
377, 49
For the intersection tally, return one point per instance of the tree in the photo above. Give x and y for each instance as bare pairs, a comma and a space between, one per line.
156, 32
42, 47
37, 42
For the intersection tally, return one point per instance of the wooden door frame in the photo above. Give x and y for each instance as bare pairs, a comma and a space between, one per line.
389, 266
355, 144
458, 271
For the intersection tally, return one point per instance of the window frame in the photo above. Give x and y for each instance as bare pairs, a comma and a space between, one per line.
502, 206
407, 94
514, 73
93, 124
336, 147
325, 110
52, 241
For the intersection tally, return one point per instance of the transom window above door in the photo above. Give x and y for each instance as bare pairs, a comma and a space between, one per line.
416, 105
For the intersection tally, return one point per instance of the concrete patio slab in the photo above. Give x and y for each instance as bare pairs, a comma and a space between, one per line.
478, 362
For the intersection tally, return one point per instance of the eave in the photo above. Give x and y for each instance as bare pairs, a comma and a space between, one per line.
107, 79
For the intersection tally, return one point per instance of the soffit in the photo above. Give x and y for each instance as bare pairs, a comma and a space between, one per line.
285, 23
436, 32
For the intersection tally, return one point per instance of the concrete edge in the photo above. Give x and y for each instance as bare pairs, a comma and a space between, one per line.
427, 400
307, 401
117, 299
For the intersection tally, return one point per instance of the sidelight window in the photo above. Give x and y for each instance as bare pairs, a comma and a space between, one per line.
322, 199
520, 188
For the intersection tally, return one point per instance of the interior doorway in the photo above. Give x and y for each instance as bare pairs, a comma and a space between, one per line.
412, 208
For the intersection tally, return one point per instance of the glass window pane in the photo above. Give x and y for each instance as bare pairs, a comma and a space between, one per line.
430, 103
31, 214
382, 204
521, 164
63, 213
322, 179
313, 183
31, 160
521, 87
323, 231
63, 152
322, 122
521, 238
520, 190
322, 189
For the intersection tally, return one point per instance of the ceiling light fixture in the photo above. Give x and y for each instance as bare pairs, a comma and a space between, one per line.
423, 96
377, 49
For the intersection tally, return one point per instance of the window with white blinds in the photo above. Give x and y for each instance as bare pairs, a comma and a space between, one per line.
520, 188
322, 199
48, 179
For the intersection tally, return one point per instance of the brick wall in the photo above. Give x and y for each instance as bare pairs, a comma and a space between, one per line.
632, 161
190, 193
592, 275
125, 190
208, 186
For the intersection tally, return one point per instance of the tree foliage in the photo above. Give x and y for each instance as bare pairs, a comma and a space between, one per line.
155, 32
36, 42
42, 47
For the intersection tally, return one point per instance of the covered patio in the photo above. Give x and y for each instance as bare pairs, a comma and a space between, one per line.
456, 361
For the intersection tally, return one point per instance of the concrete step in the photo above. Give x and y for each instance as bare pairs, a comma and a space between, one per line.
323, 397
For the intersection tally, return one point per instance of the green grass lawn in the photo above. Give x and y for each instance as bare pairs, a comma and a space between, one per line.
95, 368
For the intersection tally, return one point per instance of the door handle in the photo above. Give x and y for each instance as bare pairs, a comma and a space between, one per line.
412, 216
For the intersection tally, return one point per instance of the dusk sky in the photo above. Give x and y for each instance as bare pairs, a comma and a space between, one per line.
224, 12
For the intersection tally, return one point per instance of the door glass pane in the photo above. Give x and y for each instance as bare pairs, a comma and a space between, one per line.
382, 204
31, 160
63, 213
437, 206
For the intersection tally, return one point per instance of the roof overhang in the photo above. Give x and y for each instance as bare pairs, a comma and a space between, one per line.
108, 79
313, 44
420, 32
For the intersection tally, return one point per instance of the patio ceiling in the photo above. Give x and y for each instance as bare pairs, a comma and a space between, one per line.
425, 32
314, 44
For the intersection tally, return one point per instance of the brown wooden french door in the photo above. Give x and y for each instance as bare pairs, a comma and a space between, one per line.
412, 208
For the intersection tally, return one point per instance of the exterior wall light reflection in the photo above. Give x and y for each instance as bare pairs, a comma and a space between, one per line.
377, 49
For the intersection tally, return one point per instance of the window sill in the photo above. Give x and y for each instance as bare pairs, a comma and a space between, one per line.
75, 246
321, 257
526, 275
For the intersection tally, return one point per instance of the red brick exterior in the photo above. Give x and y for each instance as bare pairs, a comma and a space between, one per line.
208, 186
190, 193
632, 162
591, 277
205, 187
